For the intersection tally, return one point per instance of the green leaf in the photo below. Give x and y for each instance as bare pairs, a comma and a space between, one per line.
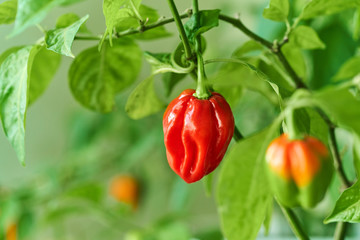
317, 8
9, 51
243, 193
170, 79
341, 105
278, 10
8, 11
201, 22
296, 58
68, 19
356, 32
118, 12
348, 70
306, 38
60, 40
347, 207
356, 153
96, 77
14, 82
31, 12
89, 191
143, 101
43, 69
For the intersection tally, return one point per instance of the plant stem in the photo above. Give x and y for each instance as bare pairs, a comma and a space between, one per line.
337, 159
181, 29
340, 231
237, 135
138, 29
275, 49
294, 222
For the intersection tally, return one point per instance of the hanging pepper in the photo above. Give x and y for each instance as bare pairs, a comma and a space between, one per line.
197, 133
125, 189
300, 170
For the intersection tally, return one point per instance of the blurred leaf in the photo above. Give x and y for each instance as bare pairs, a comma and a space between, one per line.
356, 153
201, 22
88, 191
349, 69
347, 208
31, 12
212, 234
247, 48
43, 69
10, 212
179, 195
118, 12
356, 32
344, 108
8, 11
170, 79
7, 52
243, 194
318, 127
316, 8
268, 217
325, 64
60, 40
26, 224
278, 10
208, 182
173, 231
295, 57
68, 19
306, 38
143, 100
241, 74
96, 77
14, 79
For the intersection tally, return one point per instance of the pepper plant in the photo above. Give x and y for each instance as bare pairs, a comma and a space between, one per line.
308, 72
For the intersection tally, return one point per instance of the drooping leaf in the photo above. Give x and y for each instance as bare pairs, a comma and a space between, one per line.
43, 69
60, 40
347, 208
96, 77
118, 12
201, 22
278, 10
8, 11
14, 79
243, 194
349, 69
68, 19
143, 101
31, 12
306, 38
317, 8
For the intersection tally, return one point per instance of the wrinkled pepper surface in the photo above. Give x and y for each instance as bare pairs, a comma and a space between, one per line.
300, 170
196, 134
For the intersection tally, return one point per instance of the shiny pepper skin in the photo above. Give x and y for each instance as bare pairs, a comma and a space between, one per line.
125, 189
196, 134
300, 170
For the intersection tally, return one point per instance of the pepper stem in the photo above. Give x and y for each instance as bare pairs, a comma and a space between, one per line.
201, 90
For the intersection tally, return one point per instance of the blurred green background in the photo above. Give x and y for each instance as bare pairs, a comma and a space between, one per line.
73, 153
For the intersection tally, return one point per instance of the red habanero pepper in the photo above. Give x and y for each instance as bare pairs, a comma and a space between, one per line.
197, 133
